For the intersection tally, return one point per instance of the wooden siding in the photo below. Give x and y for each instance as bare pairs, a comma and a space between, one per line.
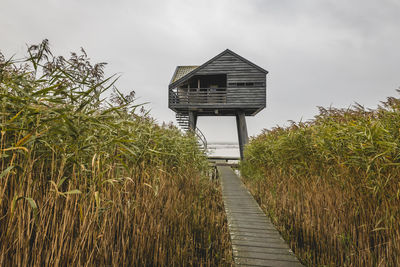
239, 71
239, 96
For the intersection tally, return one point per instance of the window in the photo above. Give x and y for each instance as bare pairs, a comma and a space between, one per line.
246, 84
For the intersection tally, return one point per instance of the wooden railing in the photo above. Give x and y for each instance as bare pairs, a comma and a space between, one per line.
198, 96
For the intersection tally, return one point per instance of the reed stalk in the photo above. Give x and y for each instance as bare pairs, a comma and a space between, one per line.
332, 186
92, 182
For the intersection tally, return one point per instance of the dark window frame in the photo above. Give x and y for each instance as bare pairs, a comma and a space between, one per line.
246, 84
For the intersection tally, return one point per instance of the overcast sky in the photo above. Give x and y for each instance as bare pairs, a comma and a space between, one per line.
318, 52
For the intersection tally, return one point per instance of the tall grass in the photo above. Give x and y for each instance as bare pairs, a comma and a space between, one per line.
332, 184
87, 181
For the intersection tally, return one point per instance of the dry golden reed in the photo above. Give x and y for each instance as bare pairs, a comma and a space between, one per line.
92, 182
332, 185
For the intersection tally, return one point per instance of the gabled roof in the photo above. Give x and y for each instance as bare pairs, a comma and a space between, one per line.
183, 73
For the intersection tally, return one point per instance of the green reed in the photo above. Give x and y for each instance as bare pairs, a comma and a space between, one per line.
332, 184
92, 181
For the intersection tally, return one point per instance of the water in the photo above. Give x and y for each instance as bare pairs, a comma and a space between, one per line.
223, 149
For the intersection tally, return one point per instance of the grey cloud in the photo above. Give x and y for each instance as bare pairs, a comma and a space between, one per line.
318, 52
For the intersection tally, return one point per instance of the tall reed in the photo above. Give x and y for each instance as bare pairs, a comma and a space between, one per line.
91, 181
332, 184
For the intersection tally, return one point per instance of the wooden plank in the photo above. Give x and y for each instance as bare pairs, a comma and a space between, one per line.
236, 70
261, 262
250, 76
255, 241
234, 165
219, 106
223, 110
225, 158
246, 93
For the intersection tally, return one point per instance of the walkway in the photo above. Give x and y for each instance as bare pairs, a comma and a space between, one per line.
255, 241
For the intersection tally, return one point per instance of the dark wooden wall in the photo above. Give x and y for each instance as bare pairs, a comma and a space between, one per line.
239, 71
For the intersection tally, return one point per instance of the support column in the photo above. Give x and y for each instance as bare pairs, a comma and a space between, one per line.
195, 120
192, 120
242, 132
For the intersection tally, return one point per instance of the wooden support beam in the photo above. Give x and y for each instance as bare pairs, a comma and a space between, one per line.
242, 132
195, 120
192, 120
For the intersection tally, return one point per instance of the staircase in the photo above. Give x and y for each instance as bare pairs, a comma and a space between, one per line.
183, 120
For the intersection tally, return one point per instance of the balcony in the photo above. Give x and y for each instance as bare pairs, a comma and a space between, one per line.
196, 96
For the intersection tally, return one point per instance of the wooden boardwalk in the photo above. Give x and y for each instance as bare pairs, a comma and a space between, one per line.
255, 241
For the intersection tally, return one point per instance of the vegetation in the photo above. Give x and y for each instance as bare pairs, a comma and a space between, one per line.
87, 181
332, 185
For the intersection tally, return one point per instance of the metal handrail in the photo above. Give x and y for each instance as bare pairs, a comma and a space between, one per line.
202, 137
182, 119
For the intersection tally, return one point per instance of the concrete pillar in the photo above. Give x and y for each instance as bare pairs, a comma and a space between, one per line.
242, 132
